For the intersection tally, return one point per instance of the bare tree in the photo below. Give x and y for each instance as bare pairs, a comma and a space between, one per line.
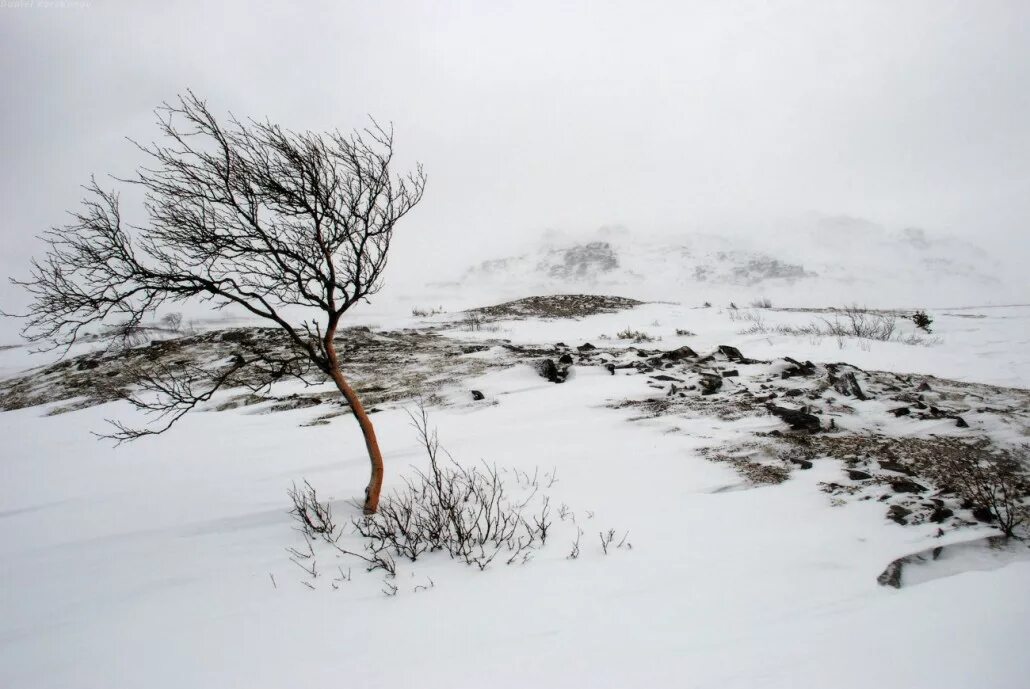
243, 214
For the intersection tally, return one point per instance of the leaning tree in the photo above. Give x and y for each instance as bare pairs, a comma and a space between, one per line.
240, 214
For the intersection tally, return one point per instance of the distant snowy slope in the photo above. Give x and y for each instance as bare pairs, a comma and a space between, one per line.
817, 261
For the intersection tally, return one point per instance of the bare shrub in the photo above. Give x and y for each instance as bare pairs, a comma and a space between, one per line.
172, 321
757, 321
472, 321
762, 303
922, 320
989, 477
315, 517
466, 512
637, 336
419, 312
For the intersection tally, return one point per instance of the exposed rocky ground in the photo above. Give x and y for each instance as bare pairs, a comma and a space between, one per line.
556, 306
905, 441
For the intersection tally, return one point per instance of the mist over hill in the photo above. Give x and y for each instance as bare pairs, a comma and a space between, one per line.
820, 260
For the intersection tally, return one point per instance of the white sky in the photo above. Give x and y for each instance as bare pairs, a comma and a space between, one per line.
660, 116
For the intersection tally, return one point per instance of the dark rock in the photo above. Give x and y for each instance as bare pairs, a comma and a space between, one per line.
680, 353
960, 422
561, 345
983, 514
892, 575
586, 347
940, 514
551, 371
856, 475
731, 353
794, 393
565, 359
798, 420
924, 387
898, 514
803, 463
848, 385
900, 411
611, 368
903, 485
477, 395
87, 364
891, 465
664, 377
797, 369
730, 374
710, 384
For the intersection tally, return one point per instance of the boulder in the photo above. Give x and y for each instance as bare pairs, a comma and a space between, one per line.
731, 353
477, 395
552, 371
899, 514
710, 384
798, 420
904, 485
679, 354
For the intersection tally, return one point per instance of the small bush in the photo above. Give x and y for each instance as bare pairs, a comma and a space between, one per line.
684, 333
635, 335
991, 478
922, 320
419, 312
472, 321
763, 303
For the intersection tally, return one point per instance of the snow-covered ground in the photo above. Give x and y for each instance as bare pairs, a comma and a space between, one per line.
163, 563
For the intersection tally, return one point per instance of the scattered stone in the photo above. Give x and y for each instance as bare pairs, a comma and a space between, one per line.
680, 353
891, 465
565, 359
848, 385
551, 371
477, 395
794, 393
710, 384
960, 422
586, 347
924, 387
856, 475
664, 377
899, 514
983, 514
798, 420
803, 463
797, 369
900, 411
904, 485
730, 374
732, 353
892, 575
940, 514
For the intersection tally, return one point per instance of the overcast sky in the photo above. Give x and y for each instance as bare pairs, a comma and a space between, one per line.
659, 116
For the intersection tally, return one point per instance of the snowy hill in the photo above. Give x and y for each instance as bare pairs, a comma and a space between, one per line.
821, 261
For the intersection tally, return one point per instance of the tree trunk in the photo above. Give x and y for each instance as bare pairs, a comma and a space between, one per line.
375, 482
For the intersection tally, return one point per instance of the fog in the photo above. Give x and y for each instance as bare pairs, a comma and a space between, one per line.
660, 117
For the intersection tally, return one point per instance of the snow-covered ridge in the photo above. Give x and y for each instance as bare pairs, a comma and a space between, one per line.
837, 260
